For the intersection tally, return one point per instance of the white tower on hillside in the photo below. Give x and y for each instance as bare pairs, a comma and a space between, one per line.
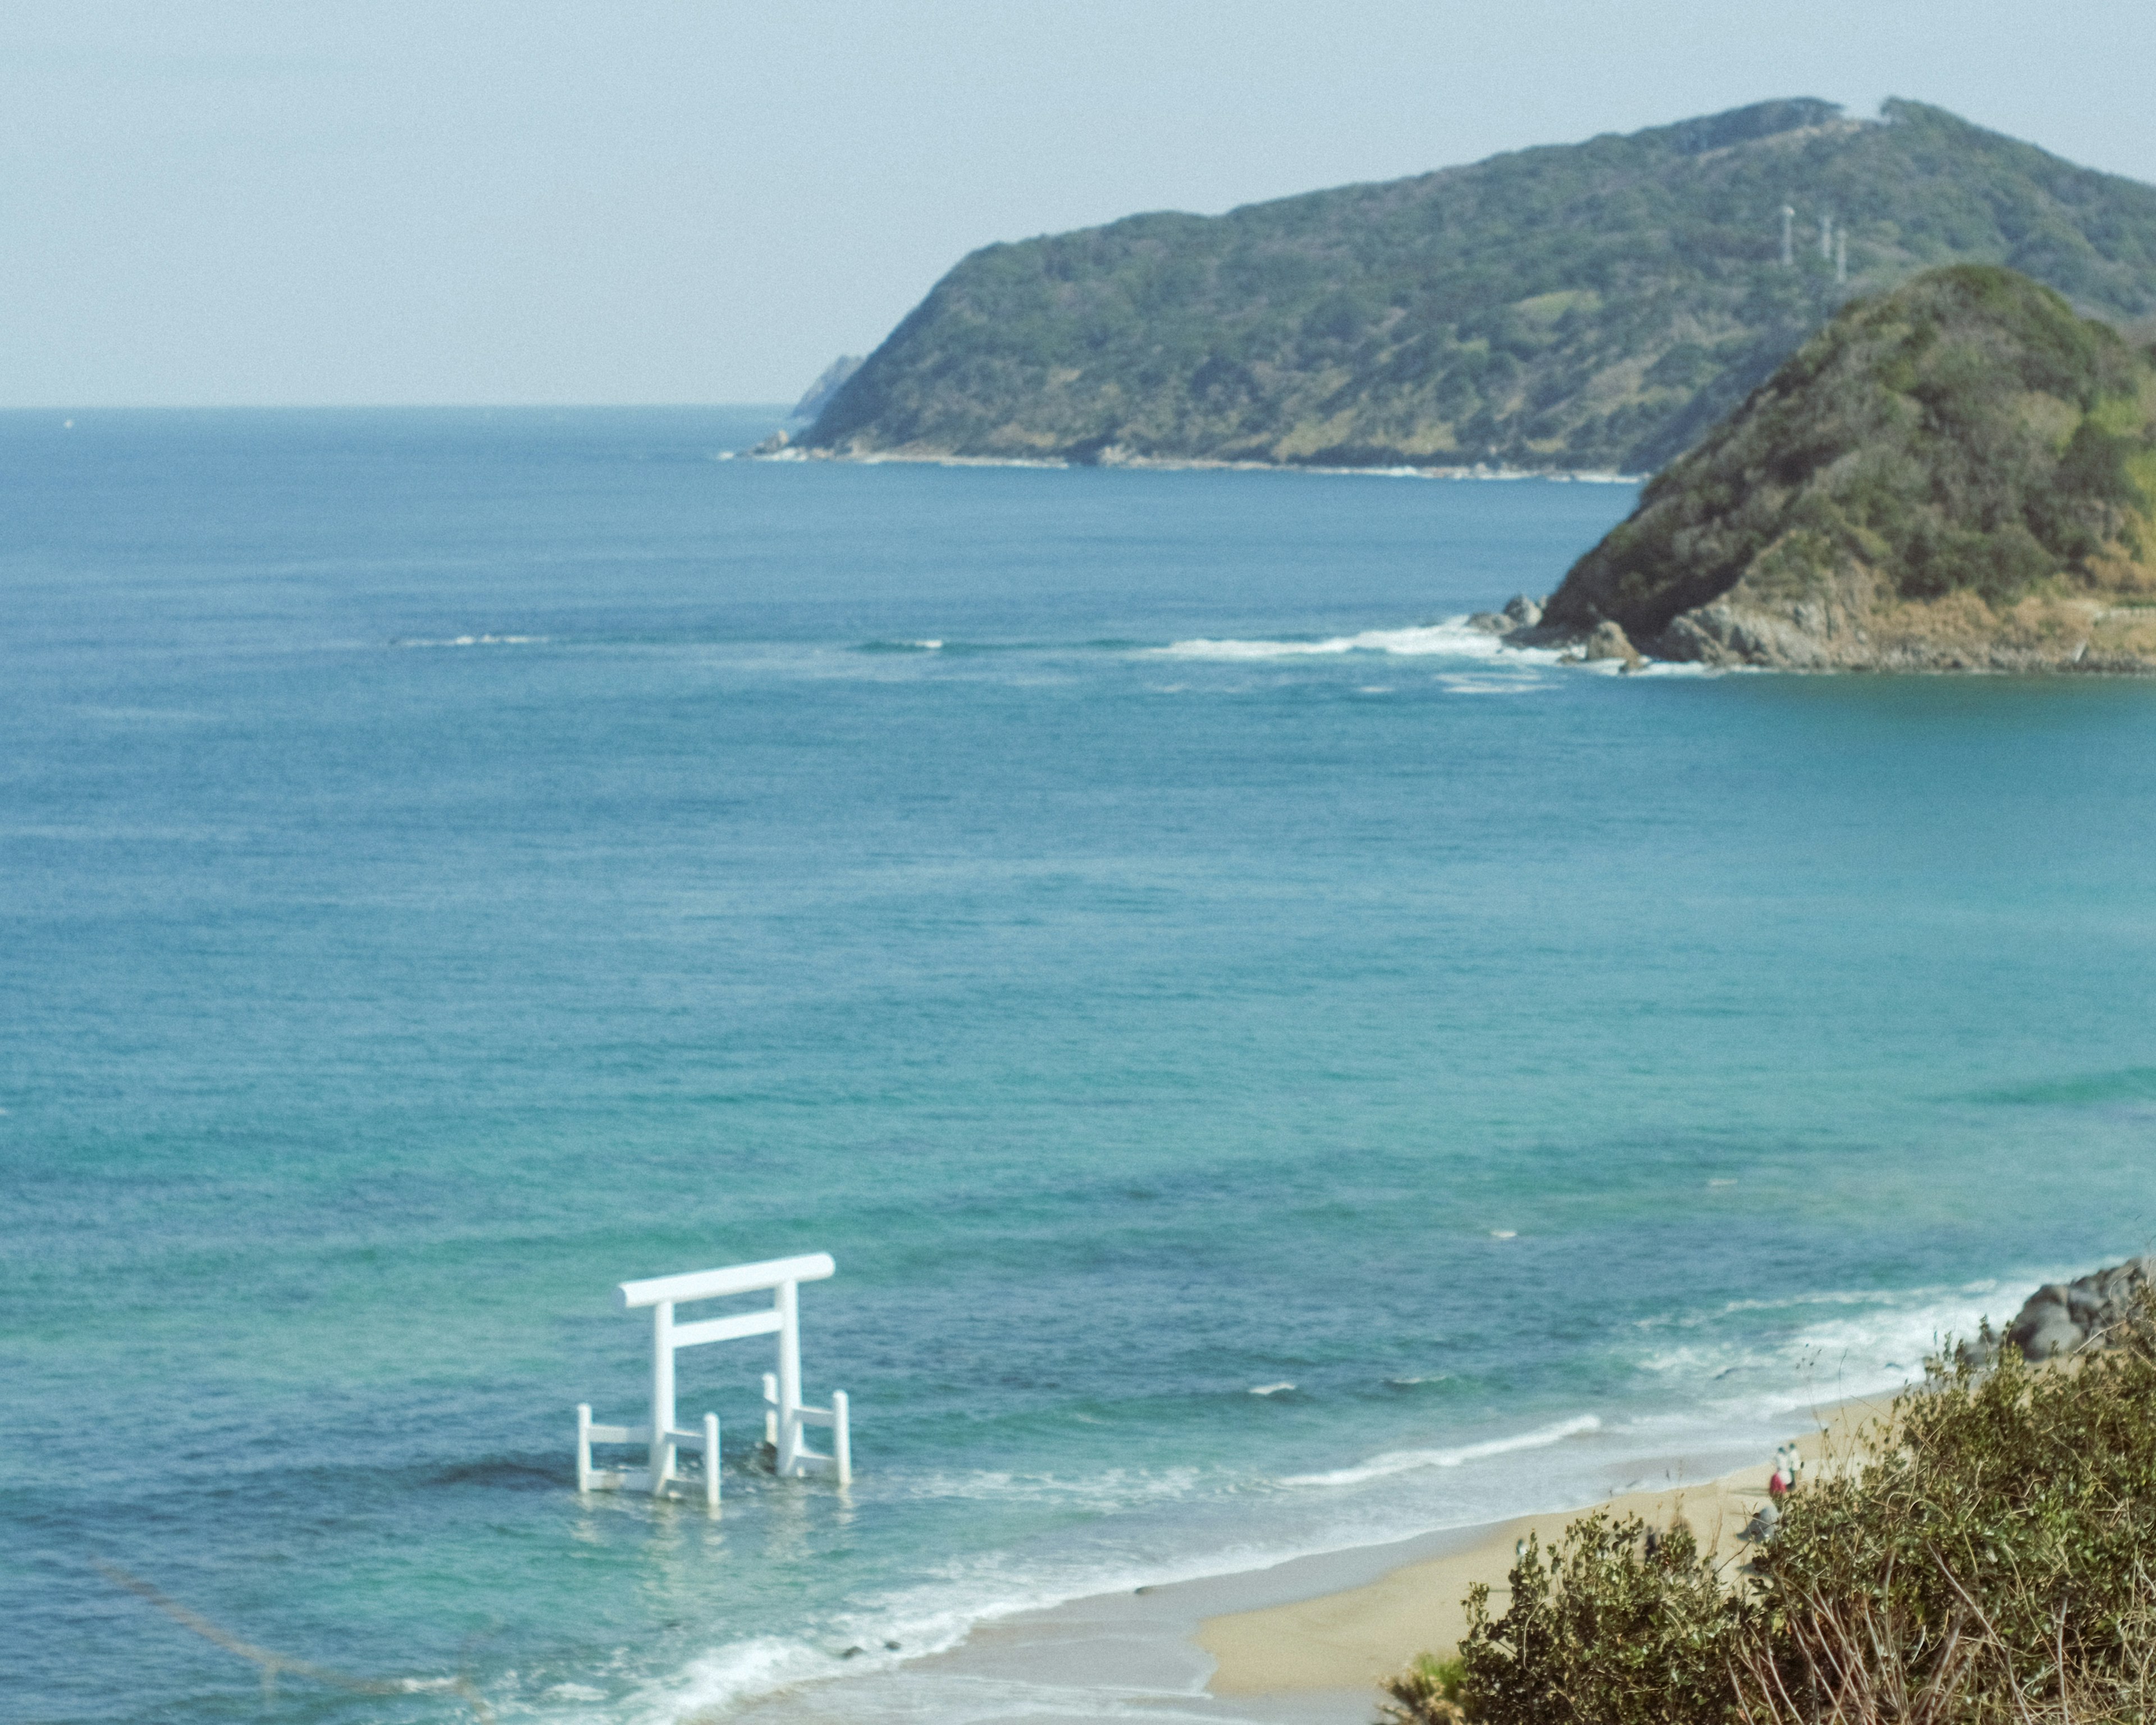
1788, 215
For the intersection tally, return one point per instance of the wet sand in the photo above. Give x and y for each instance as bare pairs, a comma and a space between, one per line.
1354, 1638
1306, 1642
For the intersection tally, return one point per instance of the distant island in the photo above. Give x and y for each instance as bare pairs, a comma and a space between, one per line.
1959, 475
1586, 307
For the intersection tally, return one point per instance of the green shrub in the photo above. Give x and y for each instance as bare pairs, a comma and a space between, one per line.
2006, 1521
1984, 1555
1599, 1629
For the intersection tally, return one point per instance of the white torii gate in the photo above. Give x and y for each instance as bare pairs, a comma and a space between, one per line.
783, 1425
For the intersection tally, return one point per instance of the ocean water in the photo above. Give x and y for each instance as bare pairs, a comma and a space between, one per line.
1275, 1072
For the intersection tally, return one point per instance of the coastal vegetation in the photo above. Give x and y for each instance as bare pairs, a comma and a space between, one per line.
1959, 472
1983, 1555
1596, 305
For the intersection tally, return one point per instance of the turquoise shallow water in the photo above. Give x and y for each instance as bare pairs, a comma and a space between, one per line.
453, 862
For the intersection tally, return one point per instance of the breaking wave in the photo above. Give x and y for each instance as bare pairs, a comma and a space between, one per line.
470, 641
1449, 639
1406, 1460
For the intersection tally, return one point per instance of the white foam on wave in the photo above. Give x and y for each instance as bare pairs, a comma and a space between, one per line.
922, 1619
1885, 1348
1449, 639
474, 641
723, 1678
1106, 1492
1868, 1342
1492, 683
1452, 638
1407, 1460
1270, 1389
1666, 668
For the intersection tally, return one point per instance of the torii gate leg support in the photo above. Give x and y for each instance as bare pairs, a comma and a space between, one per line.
662, 1396
789, 1377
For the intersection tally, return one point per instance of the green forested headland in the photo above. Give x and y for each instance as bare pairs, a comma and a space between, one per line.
1958, 474
1595, 306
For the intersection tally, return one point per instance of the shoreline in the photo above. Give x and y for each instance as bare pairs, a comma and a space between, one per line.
1356, 1637
1202, 463
1306, 1641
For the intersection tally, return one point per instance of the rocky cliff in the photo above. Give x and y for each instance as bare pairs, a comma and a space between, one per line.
1957, 474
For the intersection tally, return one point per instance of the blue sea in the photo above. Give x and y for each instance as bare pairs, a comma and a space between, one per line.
1275, 1072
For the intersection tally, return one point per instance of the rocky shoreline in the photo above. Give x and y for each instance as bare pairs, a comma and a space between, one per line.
2057, 636
780, 446
2093, 1311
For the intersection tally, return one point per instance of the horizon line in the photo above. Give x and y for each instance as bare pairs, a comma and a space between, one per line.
363, 406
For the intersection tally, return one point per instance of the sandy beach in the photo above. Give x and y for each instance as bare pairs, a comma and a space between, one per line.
1306, 1642
1353, 1639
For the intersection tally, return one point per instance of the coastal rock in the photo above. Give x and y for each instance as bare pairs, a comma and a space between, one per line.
1817, 628
1607, 639
2049, 1334
1520, 613
2062, 1318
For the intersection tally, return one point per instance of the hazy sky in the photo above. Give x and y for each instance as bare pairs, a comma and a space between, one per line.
221, 203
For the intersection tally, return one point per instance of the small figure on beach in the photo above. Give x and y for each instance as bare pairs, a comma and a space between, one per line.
1762, 1526
1783, 1480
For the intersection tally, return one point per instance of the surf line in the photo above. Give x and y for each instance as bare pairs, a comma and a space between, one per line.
1405, 1461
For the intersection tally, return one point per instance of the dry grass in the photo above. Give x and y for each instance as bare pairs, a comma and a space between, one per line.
1854, 1666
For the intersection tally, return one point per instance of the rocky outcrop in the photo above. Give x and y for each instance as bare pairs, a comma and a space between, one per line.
1520, 624
1608, 640
2063, 1318
1844, 621
1821, 626
1520, 613
1957, 475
